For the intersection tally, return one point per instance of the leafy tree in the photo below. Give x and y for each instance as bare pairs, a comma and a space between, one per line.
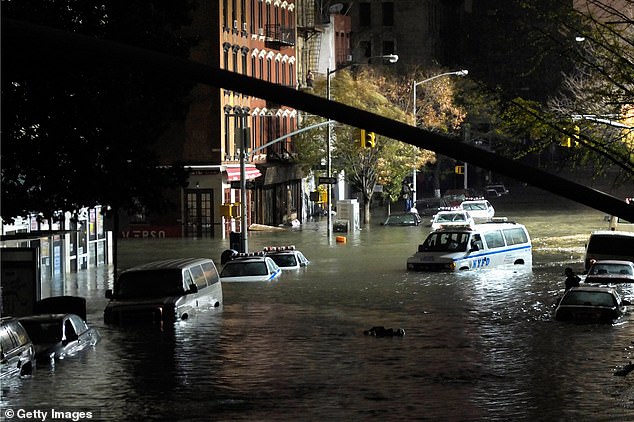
389, 162
437, 109
591, 111
78, 133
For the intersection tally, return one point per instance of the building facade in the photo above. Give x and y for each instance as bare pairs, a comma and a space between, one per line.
255, 38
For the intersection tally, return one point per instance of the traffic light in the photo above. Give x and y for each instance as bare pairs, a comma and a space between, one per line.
571, 141
367, 139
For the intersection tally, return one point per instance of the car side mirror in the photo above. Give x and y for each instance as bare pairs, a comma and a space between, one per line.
109, 294
193, 288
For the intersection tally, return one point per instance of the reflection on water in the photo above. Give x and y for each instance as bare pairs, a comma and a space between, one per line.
478, 345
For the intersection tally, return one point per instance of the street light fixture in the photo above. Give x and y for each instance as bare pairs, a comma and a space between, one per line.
463, 72
391, 58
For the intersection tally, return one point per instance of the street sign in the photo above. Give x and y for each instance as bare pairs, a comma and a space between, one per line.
235, 184
327, 180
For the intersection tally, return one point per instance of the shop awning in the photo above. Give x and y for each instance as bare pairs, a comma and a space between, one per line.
233, 173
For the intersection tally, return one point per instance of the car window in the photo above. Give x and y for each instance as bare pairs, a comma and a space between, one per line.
515, 236
44, 331
494, 239
589, 299
199, 276
255, 268
211, 273
6, 340
445, 242
284, 260
151, 283
610, 269
80, 324
610, 244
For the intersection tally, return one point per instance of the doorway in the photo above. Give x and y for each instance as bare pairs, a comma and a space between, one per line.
199, 216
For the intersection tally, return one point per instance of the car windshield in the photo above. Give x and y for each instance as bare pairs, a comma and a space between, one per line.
401, 219
584, 298
445, 242
44, 331
609, 269
456, 216
241, 269
149, 284
475, 206
285, 260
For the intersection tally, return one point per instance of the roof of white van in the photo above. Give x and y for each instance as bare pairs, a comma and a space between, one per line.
612, 233
178, 263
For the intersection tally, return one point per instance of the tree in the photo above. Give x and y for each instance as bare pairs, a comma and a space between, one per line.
591, 110
437, 109
387, 163
76, 133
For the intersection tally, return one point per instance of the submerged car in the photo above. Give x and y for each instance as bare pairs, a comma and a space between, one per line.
17, 353
250, 268
610, 271
286, 257
402, 219
430, 206
57, 336
164, 291
480, 209
445, 219
589, 304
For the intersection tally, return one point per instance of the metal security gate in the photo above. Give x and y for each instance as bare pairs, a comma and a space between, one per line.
199, 216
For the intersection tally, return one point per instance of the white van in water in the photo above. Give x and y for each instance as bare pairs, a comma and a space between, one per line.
486, 245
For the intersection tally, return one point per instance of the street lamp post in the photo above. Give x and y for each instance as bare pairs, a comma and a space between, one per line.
462, 72
242, 140
392, 58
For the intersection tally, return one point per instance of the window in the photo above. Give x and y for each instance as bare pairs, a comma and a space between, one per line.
199, 276
388, 13
245, 52
252, 18
225, 57
515, 236
211, 274
494, 239
365, 15
225, 12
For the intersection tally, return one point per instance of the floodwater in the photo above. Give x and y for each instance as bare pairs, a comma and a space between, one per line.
478, 346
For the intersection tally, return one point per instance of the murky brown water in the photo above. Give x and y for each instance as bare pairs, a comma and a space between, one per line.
478, 346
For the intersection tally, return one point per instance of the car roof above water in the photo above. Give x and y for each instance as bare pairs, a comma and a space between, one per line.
169, 264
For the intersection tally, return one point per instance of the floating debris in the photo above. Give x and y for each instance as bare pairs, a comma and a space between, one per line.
624, 370
384, 332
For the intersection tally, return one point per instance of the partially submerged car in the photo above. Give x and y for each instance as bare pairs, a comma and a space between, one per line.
254, 267
287, 257
164, 291
402, 219
57, 336
610, 271
590, 304
453, 218
480, 209
17, 353
430, 206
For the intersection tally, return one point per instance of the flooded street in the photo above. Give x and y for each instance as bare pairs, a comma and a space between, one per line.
478, 346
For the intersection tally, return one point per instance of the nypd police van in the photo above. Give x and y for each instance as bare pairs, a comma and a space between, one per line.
486, 245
